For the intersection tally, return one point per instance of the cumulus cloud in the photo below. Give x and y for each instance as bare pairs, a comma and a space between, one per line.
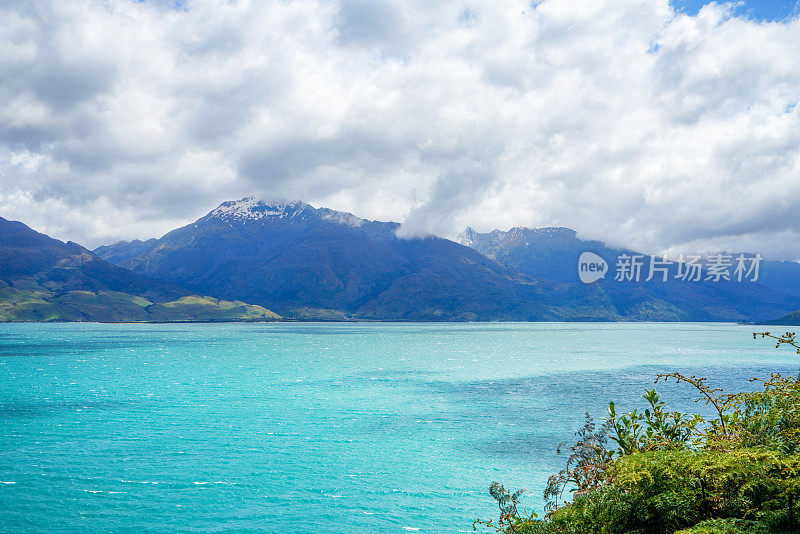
627, 120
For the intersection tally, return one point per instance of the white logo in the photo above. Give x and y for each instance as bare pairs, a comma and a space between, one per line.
591, 267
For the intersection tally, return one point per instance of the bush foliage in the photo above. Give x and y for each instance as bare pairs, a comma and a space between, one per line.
657, 471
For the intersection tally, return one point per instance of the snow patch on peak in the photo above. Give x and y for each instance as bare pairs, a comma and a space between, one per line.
555, 230
341, 217
249, 209
524, 232
467, 237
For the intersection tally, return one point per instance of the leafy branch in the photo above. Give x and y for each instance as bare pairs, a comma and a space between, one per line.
508, 503
789, 338
721, 402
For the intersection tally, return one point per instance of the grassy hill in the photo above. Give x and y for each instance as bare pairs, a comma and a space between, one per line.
43, 279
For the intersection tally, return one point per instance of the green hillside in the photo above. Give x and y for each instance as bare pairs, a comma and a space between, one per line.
40, 305
43, 279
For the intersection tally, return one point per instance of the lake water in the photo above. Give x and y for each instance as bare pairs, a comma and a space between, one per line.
323, 428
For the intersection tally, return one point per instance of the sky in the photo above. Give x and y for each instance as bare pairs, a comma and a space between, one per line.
661, 127
765, 10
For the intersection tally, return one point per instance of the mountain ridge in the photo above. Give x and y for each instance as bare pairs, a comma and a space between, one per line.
44, 279
332, 262
552, 253
312, 263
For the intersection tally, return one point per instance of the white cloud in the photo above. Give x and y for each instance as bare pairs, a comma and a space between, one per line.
619, 118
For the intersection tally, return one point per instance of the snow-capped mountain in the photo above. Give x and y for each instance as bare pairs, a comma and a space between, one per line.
319, 263
515, 236
550, 253
249, 209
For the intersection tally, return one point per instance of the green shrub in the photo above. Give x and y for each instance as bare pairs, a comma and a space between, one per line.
660, 472
726, 526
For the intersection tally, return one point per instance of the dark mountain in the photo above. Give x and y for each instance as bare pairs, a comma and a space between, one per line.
43, 279
783, 276
791, 319
552, 254
132, 249
545, 253
321, 264
318, 263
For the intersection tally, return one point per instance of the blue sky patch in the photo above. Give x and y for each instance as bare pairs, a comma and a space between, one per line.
769, 10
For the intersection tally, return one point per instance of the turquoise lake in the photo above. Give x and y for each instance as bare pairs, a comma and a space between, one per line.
319, 428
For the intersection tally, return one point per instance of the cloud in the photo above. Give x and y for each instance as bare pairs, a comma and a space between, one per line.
371, 23
623, 119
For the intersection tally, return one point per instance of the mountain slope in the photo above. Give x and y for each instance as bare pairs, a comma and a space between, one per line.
43, 279
553, 253
790, 319
315, 263
319, 263
547, 253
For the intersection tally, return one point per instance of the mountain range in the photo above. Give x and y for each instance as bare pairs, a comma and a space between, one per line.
312, 263
552, 254
252, 260
316, 263
43, 279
